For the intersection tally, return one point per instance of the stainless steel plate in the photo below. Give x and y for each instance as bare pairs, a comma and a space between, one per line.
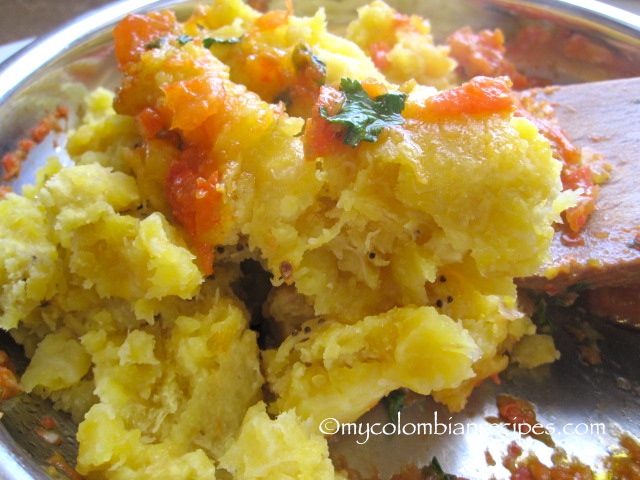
590, 403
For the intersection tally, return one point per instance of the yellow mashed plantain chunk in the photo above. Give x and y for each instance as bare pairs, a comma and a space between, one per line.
29, 264
108, 449
229, 186
332, 370
284, 447
401, 46
185, 383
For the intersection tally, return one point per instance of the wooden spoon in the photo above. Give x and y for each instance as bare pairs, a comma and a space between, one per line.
605, 117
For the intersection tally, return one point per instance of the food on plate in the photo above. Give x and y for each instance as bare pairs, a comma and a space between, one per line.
389, 213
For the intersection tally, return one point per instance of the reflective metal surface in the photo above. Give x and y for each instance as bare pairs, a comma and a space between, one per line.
567, 392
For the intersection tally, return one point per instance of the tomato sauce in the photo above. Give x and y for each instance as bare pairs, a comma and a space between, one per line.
483, 54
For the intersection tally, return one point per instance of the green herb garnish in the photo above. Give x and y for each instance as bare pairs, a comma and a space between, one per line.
184, 39
365, 117
210, 41
540, 315
395, 403
157, 43
304, 59
434, 471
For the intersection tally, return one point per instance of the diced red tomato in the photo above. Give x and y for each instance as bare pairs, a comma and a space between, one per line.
9, 386
48, 422
133, 34
378, 52
573, 175
373, 87
561, 146
40, 131
26, 144
321, 136
572, 179
192, 101
481, 95
580, 177
192, 189
11, 165
272, 20
515, 411
577, 216
149, 122
12, 161
268, 68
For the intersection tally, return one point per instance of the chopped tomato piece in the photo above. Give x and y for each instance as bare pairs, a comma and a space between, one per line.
572, 179
133, 34
11, 165
26, 144
12, 161
271, 20
9, 386
581, 177
561, 146
193, 191
40, 131
481, 95
321, 136
259, 5
192, 101
378, 52
515, 411
373, 87
150, 122
268, 68
48, 422
577, 216
520, 415
574, 175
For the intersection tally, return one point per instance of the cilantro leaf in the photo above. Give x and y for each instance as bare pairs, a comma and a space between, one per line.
395, 403
157, 43
540, 315
434, 471
365, 117
184, 39
210, 41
